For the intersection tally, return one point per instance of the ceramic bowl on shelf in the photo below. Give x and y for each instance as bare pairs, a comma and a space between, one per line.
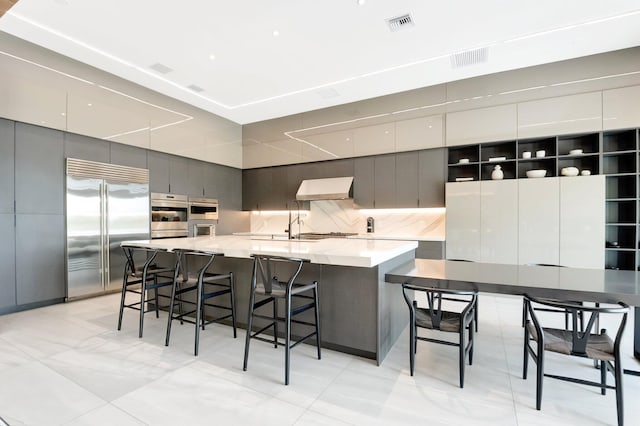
536, 173
463, 161
569, 171
575, 152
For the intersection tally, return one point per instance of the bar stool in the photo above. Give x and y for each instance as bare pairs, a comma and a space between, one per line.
139, 280
265, 283
207, 285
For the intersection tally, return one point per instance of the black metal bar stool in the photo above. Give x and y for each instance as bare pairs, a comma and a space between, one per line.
207, 285
139, 280
265, 283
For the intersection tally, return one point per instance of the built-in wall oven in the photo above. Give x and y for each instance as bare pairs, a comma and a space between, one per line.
203, 208
169, 215
203, 216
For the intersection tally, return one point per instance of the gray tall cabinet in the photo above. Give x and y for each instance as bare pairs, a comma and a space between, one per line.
7, 218
39, 214
32, 194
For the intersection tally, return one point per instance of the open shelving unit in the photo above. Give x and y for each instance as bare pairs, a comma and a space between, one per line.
615, 154
620, 158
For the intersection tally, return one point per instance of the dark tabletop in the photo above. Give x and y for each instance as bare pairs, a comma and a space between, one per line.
588, 285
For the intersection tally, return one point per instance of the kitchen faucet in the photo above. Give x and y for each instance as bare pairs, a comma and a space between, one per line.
291, 222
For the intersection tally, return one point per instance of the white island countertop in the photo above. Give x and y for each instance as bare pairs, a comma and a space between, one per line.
331, 251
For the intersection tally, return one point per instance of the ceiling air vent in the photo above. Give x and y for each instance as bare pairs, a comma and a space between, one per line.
400, 22
469, 57
195, 88
162, 69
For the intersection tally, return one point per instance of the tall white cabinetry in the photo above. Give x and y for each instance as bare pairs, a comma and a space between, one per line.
557, 221
463, 220
582, 215
499, 221
539, 221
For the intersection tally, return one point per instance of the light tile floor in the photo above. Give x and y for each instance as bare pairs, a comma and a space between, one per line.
67, 365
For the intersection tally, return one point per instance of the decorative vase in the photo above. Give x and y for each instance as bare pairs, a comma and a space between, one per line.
497, 173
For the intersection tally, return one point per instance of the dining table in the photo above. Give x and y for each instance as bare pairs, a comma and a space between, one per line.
552, 282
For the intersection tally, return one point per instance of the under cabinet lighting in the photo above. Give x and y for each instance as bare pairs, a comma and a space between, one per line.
432, 210
279, 212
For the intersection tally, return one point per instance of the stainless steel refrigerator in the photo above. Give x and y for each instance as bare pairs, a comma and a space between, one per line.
105, 205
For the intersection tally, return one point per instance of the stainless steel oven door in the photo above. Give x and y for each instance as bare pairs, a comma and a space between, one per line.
203, 209
169, 216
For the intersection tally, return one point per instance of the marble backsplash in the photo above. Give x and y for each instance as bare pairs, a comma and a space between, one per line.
340, 216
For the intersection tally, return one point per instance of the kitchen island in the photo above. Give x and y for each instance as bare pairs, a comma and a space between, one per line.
360, 313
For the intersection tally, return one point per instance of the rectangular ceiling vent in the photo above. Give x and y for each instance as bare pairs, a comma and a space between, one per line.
469, 57
195, 88
400, 22
162, 69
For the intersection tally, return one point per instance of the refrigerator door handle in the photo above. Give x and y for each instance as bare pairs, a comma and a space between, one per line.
102, 259
107, 243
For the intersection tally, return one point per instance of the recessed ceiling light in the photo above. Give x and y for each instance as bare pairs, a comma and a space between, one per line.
63, 113
275, 33
212, 57
361, 2
89, 104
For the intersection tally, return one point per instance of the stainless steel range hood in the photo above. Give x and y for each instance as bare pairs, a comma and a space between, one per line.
325, 189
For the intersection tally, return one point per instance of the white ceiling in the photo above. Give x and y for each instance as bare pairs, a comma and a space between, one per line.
327, 53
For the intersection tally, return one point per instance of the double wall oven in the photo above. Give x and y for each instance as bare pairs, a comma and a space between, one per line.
174, 216
169, 215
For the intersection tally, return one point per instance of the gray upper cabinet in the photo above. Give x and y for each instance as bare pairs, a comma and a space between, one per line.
195, 176
385, 181
264, 186
126, 155
363, 182
7, 262
39, 170
279, 196
250, 190
158, 164
225, 184
40, 241
236, 178
214, 181
231, 195
333, 168
86, 148
178, 175
407, 179
432, 177
295, 176
7, 139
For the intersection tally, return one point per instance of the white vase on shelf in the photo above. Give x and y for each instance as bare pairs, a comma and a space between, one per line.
497, 173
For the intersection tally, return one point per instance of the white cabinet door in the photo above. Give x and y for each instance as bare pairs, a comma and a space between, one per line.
463, 220
582, 219
499, 221
560, 115
481, 125
621, 108
420, 133
539, 221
